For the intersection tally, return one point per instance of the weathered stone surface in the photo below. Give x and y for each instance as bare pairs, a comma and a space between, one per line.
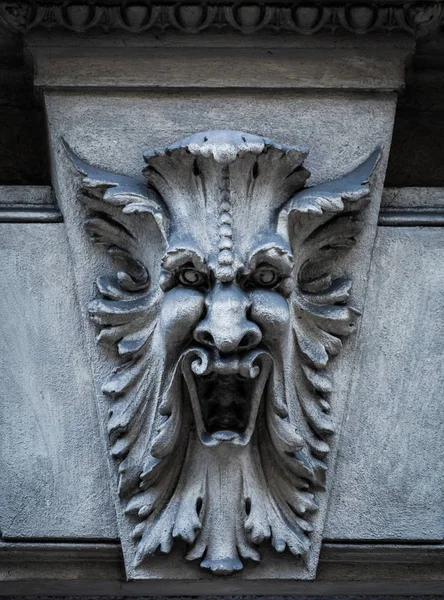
114, 135
376, 496
365, 68
417, 18
229, 349
413, 197
101, 129
383, 424
389, 482
412, 207
54, 479
17, 196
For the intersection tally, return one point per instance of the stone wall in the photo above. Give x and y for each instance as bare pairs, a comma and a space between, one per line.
66, 525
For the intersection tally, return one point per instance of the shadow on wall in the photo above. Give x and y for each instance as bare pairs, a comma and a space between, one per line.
416, 155
24, 158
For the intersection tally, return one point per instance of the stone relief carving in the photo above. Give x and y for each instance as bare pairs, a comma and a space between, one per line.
219, 411
307, 18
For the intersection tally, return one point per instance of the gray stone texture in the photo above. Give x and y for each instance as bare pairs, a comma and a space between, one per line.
55, 484
257, 68
54, 479
413, 198
27, 195
111, 130
377, 495
390, 467
226, 336
417, 144
414, 19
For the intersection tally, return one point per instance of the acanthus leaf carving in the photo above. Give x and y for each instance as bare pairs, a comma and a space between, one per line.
220, 417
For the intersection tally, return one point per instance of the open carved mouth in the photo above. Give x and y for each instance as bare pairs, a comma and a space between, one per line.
225, 393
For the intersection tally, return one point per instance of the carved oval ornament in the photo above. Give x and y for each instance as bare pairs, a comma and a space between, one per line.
306, 18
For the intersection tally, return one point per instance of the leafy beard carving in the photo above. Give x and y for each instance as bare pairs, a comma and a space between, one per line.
219, 406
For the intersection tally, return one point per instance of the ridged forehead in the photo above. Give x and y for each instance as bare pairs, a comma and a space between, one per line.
225, 146
222, 188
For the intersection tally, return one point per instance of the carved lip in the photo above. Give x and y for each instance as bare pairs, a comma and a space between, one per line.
225, 393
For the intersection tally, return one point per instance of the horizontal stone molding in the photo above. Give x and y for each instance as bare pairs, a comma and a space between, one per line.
24, 195
23, 551
412, 207
413, 197
398, 217
30, 214
332, 552
28, 204
401, 207
250, 68
85, 569
387, 217
246, 17
377, 553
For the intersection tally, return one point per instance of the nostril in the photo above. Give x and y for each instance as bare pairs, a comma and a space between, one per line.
245, 341
205, 337
250, 339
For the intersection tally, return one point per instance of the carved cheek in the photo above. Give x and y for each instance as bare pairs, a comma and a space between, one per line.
270, 311
181, 311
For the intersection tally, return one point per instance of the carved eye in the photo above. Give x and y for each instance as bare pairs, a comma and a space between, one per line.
191, 277
266, 276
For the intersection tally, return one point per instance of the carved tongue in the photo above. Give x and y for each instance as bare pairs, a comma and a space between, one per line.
224, 397
224, 436
221, 535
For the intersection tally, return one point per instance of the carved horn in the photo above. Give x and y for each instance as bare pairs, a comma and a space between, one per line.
328, 198
120, 191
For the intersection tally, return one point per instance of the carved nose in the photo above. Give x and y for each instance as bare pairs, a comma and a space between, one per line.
242, 338
226, 326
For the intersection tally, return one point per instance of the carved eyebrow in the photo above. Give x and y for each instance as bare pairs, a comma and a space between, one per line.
276, 256
178, 256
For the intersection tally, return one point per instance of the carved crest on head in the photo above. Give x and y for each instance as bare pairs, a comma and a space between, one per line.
219, 404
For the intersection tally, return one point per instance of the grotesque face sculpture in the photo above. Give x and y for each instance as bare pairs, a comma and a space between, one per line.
219, 414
